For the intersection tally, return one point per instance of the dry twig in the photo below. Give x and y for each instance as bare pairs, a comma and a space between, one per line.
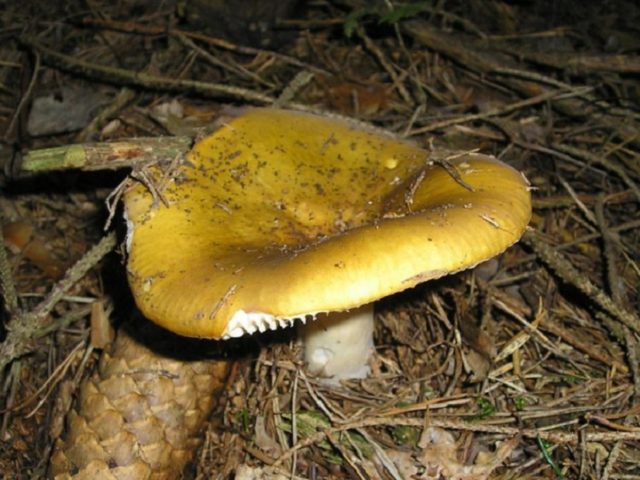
23, 327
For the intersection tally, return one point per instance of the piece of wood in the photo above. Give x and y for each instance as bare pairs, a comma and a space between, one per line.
105, 156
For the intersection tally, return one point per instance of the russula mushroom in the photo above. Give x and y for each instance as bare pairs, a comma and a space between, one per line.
280, 215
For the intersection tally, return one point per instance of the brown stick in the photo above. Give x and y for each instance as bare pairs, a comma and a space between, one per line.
471, 56
571, 275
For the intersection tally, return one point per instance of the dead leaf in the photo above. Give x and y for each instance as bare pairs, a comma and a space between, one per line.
354, 99
404, 462
102, 332
70, 109
246, 472
22, 239
264, 441
440, 458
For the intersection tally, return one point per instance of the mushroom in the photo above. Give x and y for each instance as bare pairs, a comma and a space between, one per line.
280, 215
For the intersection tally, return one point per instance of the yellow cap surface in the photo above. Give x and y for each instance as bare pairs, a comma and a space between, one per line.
281, 214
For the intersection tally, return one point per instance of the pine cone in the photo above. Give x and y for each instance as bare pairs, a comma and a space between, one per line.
139, 416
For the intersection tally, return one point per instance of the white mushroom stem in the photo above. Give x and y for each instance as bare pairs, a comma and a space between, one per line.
338, 345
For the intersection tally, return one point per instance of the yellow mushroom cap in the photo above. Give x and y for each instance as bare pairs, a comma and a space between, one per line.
278, 215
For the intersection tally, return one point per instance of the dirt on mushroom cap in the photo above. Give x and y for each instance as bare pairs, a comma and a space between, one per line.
280, 214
